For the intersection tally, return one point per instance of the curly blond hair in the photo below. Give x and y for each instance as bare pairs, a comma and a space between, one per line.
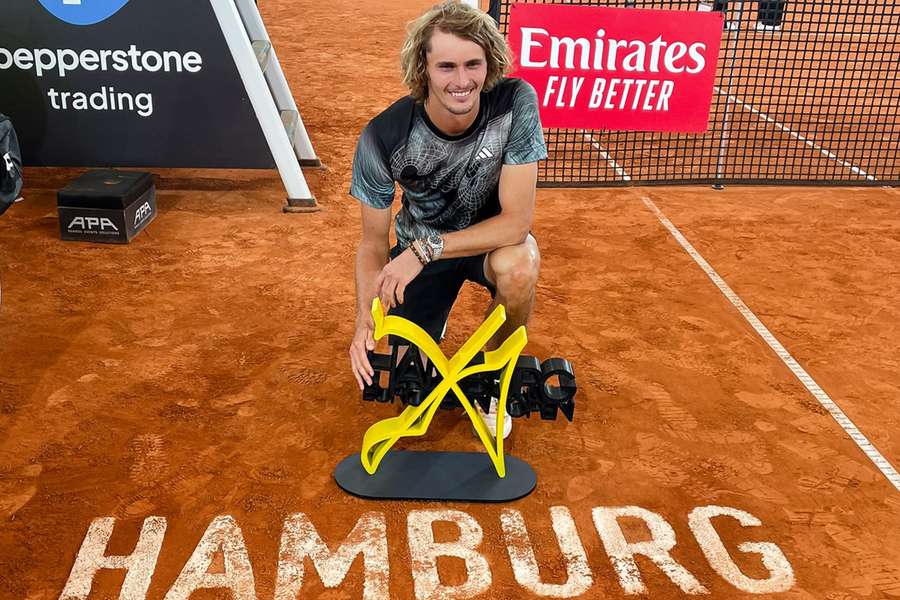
462, 21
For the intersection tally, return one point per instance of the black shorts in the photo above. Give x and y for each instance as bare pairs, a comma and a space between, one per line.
429, 297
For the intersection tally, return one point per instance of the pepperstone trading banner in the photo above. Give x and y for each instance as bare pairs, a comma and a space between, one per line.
125, 83
617, 68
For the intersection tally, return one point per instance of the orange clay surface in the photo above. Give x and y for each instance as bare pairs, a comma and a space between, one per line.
201, 370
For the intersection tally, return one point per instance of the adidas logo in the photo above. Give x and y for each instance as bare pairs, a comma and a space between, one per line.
484, 154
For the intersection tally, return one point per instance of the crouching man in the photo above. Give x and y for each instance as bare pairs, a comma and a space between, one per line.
463, 146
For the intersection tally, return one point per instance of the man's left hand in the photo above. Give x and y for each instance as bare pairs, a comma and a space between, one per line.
395, 276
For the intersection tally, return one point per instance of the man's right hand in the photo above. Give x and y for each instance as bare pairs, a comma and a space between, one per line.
363, 342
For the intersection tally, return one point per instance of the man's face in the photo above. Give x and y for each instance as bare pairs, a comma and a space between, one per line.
457, 69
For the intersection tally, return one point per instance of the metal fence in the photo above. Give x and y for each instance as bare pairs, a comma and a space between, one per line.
806, 93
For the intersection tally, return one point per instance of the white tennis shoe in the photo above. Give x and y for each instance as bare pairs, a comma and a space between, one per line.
490, 419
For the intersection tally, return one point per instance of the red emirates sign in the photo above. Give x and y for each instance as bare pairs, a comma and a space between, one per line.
617, 68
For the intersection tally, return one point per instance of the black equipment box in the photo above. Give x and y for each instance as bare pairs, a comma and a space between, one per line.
106, 206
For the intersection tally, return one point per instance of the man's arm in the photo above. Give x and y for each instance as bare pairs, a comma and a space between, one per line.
510, 227
371, 256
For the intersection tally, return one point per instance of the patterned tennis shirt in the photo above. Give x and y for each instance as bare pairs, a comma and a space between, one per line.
448, 182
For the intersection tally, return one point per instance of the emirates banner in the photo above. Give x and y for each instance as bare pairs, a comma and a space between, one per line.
617, 68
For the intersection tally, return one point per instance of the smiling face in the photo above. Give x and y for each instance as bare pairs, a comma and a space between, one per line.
457, 69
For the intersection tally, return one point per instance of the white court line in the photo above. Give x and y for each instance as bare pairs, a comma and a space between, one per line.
802, 138
619, 170
855, 434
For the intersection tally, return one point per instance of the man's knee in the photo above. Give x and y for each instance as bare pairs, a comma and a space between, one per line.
514, 270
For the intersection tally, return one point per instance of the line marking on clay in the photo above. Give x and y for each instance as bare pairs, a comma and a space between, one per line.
607, 156
827, 403
824, 151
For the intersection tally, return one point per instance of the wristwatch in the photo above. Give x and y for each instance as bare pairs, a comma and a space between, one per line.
434, 246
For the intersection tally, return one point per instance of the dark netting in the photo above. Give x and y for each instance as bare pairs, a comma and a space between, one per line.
805, 93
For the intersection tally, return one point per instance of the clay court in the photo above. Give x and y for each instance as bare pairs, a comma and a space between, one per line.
201, 372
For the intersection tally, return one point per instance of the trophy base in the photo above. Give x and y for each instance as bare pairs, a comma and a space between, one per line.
448, 476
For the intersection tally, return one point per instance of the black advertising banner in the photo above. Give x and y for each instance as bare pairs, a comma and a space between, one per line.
125, 83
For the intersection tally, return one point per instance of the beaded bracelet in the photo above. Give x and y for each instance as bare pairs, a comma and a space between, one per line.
417, 253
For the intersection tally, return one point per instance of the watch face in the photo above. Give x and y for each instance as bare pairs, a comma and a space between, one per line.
435, 240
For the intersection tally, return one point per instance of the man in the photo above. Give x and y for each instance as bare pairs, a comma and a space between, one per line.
769, 14
464, 148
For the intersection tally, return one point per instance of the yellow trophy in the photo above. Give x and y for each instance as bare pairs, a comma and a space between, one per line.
423, 387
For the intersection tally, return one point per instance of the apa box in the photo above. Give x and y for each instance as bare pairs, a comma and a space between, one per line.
106, 206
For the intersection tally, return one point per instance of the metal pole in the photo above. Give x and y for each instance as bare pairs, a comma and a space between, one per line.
732, 39
299, 196
284, 100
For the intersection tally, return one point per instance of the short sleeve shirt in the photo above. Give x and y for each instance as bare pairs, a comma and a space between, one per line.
448, 182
